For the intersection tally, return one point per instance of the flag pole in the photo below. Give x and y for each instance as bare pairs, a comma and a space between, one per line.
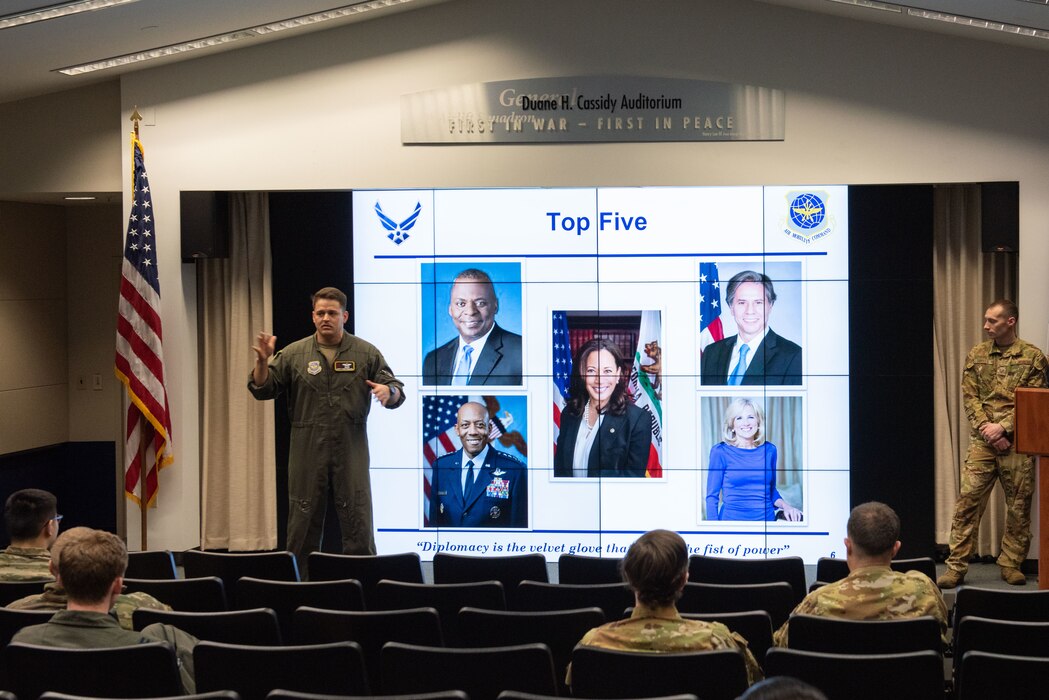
143, 506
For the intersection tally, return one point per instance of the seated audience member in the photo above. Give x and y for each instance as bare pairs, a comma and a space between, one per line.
656, 569
32, 523
782, 688
872, 590
32, 518
90, 566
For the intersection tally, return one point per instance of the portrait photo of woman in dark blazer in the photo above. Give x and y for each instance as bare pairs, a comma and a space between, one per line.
602, 433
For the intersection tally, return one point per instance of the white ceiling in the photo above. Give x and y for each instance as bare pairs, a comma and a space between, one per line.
30, 54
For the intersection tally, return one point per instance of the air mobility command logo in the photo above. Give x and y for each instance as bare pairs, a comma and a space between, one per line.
807, 219
398, 232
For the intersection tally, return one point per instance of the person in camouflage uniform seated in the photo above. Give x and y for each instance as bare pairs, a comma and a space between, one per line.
872, 590
32, 523
656, 569
90, 565
994, 369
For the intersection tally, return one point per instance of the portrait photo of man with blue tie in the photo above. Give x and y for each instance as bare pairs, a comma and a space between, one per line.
483, 351
477, 485
756, 354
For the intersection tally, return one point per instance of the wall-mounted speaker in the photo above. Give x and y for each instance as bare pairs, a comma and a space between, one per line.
1000, 217
205, 225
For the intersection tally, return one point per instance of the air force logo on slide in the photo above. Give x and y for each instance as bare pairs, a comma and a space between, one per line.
398, 232
807, 219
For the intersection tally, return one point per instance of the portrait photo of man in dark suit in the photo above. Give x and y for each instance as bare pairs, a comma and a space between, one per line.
756, 355
477, 485
482, 352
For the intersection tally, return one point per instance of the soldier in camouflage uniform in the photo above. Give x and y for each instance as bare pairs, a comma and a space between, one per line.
32, 523
993, 371
91, 564
872, 590
31, 517
656, 569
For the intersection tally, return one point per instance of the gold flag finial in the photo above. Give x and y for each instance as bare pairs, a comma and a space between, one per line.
136, 117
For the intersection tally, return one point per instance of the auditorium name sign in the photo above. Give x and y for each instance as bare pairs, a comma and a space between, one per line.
593, 108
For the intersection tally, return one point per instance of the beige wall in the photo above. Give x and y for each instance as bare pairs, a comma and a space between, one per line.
865, 104
65, 142
34, 404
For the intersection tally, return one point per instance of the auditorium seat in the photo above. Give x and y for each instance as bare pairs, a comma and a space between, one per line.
753, 625
441, 695
11, 591
368, 569
612, 598
273, 566
258, 626
482, 673
158, 564
371, 629
1009, 637
777, 599
508, 570
580, 570
830, 569
835, 635
725, 570
204, 594
988, 675
217, 695
136, 671
915, 674
254, 671
285, 596
446, 598
607, 673
997, 604
13, 620
560, 630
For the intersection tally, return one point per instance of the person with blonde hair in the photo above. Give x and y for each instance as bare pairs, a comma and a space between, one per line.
741, 481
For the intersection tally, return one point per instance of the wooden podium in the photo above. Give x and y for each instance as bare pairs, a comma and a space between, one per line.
1032, 438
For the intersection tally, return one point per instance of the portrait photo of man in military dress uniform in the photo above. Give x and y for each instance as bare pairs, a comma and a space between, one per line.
477, 485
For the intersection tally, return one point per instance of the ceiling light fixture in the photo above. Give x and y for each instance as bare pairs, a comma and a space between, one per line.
979, 23
78, 199
219, 39
55, 11
871, 5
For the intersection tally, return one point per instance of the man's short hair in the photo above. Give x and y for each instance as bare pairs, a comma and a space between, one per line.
874, 528
749, 276
88, 562
655, 567
1008, 307
475, 275
329, 293
27, 512
782, 688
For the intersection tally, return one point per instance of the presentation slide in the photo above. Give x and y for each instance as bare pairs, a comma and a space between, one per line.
582, 365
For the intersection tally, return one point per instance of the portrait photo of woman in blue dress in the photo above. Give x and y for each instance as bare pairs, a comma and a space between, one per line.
741, 476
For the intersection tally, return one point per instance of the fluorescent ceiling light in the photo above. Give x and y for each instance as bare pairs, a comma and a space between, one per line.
871, 5
55, 11
219, 39
979, 23
78, 199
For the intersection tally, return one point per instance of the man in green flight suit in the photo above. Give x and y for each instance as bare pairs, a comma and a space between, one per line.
329, 380
994, 369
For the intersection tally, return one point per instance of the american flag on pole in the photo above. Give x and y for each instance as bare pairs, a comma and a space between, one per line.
439, 437
562, 367
710, 329
140, 355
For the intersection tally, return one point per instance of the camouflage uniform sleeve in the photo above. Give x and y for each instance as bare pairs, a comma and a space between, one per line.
806, 607
127, 603
971, 394
754, 673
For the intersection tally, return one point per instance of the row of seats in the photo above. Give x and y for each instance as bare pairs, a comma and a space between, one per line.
148, 670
